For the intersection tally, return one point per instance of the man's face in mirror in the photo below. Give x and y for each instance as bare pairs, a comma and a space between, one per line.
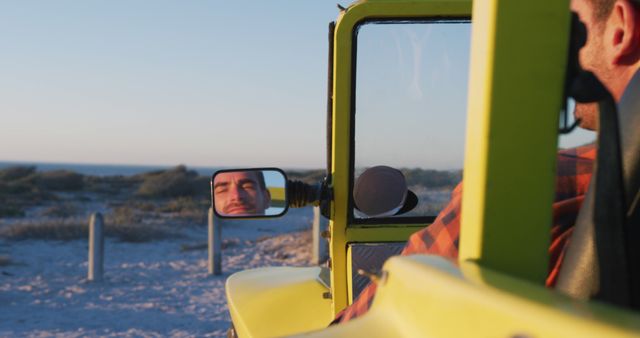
241, 193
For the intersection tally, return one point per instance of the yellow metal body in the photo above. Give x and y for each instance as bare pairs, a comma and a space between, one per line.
381, 233
347, 21
277, 196
496, 288
515, 97
349, 274
275, 301
278, 301
427, 296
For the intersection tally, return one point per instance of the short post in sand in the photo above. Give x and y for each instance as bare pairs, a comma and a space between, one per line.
320, 250
96, 248
215, 244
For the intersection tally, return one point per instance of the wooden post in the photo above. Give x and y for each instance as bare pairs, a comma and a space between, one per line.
215, 244
96, 248
320, 250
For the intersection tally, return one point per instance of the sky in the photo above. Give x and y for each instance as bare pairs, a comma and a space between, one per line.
411, 94
201, 83
209, 83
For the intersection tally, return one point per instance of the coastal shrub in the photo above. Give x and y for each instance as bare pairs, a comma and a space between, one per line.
111, 185
153, 173
126, 224
16, 188
5, 260
17, 172
60, 210
189, 208
432, 178
60, 229
72, 229
22, 193
175, 182
201, 186
16, 197
180, 204
307, 176
25, 187
9, 209
124, 215
60, 180
142, 206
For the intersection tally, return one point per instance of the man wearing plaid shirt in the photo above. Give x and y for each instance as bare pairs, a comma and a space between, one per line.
612, 53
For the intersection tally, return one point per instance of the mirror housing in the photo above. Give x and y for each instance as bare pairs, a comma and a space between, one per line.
249, 193
382, 191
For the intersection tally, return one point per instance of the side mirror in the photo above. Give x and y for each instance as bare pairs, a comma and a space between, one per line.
249, 193
382, 191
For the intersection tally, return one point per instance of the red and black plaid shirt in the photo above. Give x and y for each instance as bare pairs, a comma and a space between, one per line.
443, 236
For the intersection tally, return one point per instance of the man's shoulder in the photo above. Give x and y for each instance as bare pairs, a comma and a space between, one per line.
574, 171
584, 152
576, 161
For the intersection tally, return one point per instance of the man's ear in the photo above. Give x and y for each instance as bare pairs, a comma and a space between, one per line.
625, 33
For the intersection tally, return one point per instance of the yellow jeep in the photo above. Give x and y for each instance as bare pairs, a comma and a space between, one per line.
512, 64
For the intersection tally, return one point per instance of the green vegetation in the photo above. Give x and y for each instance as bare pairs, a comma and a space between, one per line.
307, 176
60, 180
138, 205
23, 187
188, 208
430, 178
63, 210
5, 260
70, 229
54, 230
175, 182
16, 173
111, 185
20, 189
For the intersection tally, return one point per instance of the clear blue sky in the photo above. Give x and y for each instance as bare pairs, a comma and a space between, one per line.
164, 82
203, 83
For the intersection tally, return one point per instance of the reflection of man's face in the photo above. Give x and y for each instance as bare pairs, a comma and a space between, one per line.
240, 193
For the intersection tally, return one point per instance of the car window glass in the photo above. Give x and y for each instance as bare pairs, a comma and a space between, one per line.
410, 105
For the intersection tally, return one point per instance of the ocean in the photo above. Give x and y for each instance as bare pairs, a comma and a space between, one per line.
103, 169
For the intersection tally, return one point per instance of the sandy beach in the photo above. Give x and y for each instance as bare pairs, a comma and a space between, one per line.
156, 281
153, 289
